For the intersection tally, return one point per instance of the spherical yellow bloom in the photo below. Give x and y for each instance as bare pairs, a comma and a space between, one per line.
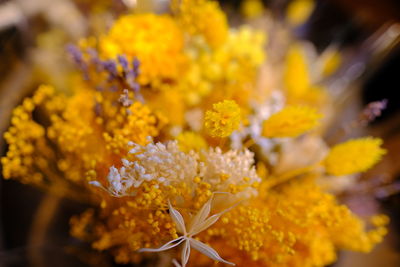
155, 40
205, 18
223, 119
291, 121
246, 44
191, 141
231, 68
354, 156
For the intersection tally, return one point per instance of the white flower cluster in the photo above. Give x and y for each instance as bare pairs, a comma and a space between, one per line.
232, 167
167, 165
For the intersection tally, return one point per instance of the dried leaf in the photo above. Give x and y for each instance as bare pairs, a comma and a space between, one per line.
177, 218
169, 245
185, 253
201, 215
208, 251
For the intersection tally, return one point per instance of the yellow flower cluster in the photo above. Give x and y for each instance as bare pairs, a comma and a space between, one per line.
139, 217
203, 18
227, 71
286, 227
87, 129
158, 39
25, 138
299, 76
291, 122
211, 64
191, 141
164, 136
126, 225
357, 155
223, 119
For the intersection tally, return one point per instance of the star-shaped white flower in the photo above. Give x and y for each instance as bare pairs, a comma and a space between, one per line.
198, 223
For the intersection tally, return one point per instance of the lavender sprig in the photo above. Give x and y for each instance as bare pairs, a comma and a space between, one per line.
372, 111
116, 80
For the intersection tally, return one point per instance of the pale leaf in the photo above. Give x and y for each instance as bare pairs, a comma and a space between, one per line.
204, 225
177, 218
166, 246
208, 251
99, 185
207, 223
201, 215
185, 253
176, 263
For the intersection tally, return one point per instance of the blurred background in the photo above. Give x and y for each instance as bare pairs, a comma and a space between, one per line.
33, 35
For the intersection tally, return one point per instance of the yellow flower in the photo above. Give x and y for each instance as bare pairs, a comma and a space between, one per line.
252, 8
96, 143
298, 11
291, 121
357, 155
231, 68
223, 119
190, 141
169, 102
296, 75
331, 61
155, 40
298, 78
204, 18
287, 227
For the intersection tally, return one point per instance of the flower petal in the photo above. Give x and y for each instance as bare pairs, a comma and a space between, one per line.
166, 246
208, 251
177, 218
176, 263
99, 185
207, 223
185, 253
204, 225
201, 215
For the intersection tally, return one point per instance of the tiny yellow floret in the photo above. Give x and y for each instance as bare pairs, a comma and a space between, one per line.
223, 119
291, 121
357, 155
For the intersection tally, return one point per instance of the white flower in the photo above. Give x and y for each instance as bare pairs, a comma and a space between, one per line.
198, 223
237, 166
167, 165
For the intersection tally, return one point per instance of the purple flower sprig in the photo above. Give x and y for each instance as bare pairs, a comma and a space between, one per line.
120, 72
77, 57
372, 111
